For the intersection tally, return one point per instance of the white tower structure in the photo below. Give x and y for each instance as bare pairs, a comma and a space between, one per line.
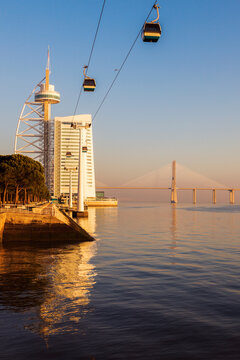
34, 134
66, 155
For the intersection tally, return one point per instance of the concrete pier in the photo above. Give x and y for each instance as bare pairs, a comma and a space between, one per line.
231, 196
51, 225
79, 214
2, 224
194, 196
173, 188
214, 198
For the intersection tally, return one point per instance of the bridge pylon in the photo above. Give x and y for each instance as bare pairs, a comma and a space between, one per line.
173, 187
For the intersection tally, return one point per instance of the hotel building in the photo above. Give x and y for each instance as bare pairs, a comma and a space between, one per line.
66, 155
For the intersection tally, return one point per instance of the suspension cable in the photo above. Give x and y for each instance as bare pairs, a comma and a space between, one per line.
90, 56
123, 63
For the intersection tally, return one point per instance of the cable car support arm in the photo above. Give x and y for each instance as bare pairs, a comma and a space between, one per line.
155, 6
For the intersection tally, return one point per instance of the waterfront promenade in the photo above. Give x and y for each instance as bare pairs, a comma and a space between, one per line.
44, 223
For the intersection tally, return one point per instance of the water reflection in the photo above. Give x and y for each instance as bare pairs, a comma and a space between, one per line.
143, 306
89, 223
22, 284
53, 285
106, 216
173, 230
174, 226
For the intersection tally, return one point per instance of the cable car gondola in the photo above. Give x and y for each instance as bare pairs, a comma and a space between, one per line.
152, 30
88, 83
68, 154
84, 149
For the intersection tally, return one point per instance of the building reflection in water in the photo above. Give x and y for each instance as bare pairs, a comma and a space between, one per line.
107, 217
53, 285
89, 223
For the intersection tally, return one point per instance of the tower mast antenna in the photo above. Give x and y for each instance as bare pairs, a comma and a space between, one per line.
47, 70
48, 58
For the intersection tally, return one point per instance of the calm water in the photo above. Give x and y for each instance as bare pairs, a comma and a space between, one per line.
160, 282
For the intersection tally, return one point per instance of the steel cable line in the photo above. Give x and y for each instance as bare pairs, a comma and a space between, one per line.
123, 63
90, 56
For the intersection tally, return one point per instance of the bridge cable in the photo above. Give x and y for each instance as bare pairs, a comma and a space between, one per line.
90, 56
123, 63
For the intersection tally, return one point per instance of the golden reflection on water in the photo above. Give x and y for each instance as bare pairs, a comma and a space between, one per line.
73, 277
174, 226
56, 283
106, 216
89, 223
173, 229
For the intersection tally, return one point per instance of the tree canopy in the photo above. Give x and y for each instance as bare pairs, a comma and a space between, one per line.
22, 178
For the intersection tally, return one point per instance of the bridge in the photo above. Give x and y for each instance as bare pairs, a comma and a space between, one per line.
174, 189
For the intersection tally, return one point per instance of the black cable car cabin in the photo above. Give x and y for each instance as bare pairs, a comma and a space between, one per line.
89, 84
68, 154
151, 32
84, 149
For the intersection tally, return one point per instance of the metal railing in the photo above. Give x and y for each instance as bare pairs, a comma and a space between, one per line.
15, 210
101, 199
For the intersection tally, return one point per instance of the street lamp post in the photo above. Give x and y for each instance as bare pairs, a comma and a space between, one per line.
81, 164
70, 189
70, 169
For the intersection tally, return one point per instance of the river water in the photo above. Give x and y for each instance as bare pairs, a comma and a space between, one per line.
160, 282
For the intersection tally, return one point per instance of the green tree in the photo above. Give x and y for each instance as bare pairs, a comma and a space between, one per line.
23, 175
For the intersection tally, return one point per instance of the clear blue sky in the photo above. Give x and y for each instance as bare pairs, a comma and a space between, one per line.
177, 99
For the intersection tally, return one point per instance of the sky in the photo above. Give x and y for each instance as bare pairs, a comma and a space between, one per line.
177, 99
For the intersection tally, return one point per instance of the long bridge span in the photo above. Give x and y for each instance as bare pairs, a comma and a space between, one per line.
174, 189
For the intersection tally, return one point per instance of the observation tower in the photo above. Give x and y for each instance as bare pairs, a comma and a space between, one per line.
35, 129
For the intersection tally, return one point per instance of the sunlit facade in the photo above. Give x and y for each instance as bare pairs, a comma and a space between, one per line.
66, 155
